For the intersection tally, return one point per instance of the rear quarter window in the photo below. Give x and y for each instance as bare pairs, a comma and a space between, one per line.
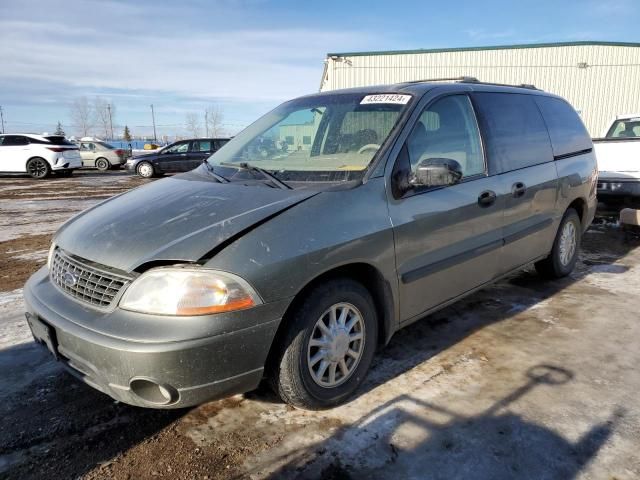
567, 132
514, 131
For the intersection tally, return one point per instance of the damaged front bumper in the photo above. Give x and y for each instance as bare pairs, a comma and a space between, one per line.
153, 371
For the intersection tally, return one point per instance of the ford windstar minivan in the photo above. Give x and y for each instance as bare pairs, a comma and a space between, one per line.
302, 245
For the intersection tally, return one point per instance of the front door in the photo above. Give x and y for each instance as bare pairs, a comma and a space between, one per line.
88, 154
13, 153
447, 239
172, 158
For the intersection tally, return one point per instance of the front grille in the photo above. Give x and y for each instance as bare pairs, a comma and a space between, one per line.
88, 283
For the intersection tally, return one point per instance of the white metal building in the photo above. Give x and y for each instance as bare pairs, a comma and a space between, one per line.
600, 79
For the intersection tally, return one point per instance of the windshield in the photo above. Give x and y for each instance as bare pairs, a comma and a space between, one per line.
625, 129
321, 138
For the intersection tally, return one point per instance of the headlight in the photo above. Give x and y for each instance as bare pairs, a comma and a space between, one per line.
188, 291
50, 256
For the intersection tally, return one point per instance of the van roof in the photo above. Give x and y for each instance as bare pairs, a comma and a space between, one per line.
419, 87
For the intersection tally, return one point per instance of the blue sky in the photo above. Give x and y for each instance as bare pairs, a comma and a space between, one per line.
245, 56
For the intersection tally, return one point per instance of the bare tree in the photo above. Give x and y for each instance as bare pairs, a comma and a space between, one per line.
214, 116
192, 124
104, 112
82, 116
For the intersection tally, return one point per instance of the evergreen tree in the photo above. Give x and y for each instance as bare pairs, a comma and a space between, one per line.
59, 129
127, 134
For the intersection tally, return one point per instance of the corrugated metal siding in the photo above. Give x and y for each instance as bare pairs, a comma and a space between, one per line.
610, 85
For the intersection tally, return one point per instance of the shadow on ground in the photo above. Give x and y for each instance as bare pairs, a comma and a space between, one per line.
494, 444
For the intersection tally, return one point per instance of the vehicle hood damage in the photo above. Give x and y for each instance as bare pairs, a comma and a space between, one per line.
180, 219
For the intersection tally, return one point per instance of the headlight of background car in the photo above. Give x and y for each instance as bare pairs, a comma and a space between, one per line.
188, 291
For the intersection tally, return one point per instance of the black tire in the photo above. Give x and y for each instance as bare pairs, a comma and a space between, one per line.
102, 164
553, 267
38, 168
290, 374
145, 170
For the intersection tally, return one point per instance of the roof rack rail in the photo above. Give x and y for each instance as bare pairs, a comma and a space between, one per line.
469, 79
446, 79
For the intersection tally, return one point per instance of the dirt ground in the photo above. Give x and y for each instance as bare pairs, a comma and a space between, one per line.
525, 379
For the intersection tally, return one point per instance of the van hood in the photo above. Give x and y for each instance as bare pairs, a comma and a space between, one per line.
176, 219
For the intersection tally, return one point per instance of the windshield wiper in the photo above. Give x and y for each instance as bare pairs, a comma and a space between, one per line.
219, 178
265, 173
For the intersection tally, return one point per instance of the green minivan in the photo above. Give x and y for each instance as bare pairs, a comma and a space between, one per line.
300, 247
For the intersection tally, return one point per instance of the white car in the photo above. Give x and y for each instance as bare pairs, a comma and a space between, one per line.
619, 159
38, 155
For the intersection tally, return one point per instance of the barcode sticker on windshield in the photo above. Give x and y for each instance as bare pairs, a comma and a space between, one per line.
386, 98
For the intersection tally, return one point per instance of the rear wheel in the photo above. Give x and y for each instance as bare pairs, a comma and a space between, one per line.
564, 254
145, 169
329, 346
102, 164
38, 168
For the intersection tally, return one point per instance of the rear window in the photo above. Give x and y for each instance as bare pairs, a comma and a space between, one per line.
515, 133
59, 140
567, 132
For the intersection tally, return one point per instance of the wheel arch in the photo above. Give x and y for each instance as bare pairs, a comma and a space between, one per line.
580, 206
365, 274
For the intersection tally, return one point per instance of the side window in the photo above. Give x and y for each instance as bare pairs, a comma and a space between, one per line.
85, 147
515, 134
202, 146
178, 148
447, 129
566, 130
14, 140
220, 143
2, 140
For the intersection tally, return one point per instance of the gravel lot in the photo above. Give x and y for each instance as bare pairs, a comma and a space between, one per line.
526, 379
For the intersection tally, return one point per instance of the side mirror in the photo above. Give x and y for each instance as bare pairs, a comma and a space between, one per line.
436, 172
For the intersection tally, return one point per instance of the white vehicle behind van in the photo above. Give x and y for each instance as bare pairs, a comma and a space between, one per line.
38, 155
618, 155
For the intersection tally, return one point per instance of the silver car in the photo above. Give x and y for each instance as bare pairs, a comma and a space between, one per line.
101, 155
303, 244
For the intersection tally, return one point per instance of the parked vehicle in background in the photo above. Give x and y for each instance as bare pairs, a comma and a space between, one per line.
618, 155
38, 155
180, 156
295, 265
101, 155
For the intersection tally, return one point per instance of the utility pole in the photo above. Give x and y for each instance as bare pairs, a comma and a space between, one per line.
2, 117
206, 123
110, 120
153, 117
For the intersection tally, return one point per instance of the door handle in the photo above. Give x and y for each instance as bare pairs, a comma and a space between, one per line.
518, 189
487, 198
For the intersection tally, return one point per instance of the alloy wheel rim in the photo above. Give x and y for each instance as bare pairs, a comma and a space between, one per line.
37, 168
568, 241
145, 170
336, 345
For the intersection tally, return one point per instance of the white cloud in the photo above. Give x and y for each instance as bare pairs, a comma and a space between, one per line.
249, 63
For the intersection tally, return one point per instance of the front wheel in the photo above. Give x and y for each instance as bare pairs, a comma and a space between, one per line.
145, 169
38, 168
564, 254
329, 346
